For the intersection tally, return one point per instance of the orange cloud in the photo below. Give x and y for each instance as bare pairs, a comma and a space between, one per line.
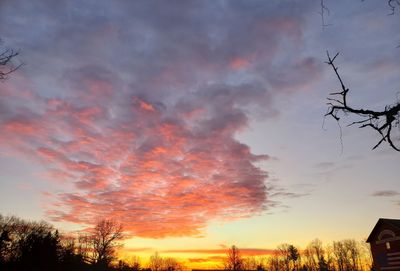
143, 104
239, 63
146, 106
139, 160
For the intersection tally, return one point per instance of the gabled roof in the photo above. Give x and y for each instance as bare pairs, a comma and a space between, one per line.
392, 222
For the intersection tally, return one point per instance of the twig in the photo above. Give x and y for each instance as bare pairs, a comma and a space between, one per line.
324, 10
5, 59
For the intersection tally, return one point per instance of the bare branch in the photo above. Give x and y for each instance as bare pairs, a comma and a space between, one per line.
6, 67
359, 122
380, 121
392, 5
324, 10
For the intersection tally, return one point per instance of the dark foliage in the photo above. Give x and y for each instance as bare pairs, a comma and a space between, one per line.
37, 246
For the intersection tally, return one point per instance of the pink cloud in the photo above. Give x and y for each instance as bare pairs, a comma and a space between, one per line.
156, 150
159, 174
239, 63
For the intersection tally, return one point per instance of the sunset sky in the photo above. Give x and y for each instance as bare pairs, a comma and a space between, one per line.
198, 124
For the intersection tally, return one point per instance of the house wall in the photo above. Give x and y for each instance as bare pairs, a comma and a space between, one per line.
385, 248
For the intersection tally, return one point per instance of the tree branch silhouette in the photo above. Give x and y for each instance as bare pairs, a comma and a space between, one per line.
381, 121
392, 4
6, 57
324, 10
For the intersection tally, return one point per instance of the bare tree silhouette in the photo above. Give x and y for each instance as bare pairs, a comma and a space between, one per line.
99, 246
233, 261
155, 262
158, 263
105, 236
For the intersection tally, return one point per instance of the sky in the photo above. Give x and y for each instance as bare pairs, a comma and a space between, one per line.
198, 124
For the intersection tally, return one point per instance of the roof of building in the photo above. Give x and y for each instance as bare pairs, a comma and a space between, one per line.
393, 222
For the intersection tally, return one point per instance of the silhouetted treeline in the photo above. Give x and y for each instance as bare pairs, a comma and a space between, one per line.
345, 255
37, 246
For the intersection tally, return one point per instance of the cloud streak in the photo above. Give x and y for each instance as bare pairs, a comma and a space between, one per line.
243, 251
385, 193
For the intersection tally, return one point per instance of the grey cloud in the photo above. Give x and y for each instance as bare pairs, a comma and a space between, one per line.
385, 193
325, 165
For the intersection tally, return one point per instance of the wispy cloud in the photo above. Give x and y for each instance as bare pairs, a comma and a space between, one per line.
325, 165
386, 193
140, 249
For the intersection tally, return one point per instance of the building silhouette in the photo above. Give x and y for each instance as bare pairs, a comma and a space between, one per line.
385, 244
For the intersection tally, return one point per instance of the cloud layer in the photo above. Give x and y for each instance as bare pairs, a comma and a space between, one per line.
243, 251
142, 102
